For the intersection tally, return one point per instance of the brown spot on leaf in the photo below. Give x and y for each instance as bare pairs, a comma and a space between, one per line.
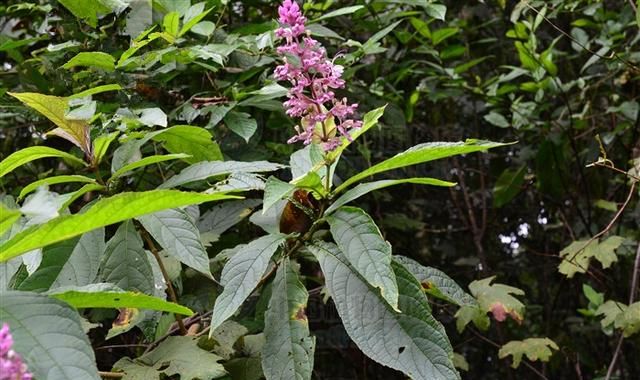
300, 314
427, 285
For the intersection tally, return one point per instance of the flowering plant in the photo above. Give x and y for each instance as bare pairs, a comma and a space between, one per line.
314, 77
11, 365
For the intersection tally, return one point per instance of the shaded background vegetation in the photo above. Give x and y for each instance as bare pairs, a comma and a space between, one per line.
549, 75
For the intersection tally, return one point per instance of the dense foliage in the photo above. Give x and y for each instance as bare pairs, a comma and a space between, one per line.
155, 223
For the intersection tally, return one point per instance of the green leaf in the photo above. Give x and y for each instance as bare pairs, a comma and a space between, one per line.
80, 192
338, 12
274, 191
203, 170
362, 244
534, 348
437, 11
177, 355
103, 213
103, 295
96, 90
195, 141
577, 256
629, 320
508, 185
7, 218
369, 120
467, 314
32, 153
422, 153
53, 181
97, 59
436, 283
241, 124
101, 145
53, 259
146, 162
365, 188
497, 299
87, 11
288, 350
81, 267
497, 119
193, 16
171, 23
223, 216
54, 108
177, 234
241, 275
50, 354
125, 262
437, 36
610, 310
411, 341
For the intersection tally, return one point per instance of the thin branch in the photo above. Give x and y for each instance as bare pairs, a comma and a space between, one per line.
111, 375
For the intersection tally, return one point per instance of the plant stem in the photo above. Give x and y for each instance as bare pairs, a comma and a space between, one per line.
165, 275
111, 375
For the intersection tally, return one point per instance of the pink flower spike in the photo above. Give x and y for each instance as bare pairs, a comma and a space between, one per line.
11, 365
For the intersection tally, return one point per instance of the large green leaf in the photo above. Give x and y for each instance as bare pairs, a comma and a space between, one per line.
197, 142
206, 169
411, 341
178, 235
103, 213
54, 108
368, 187
53, 181
436, 283
125, 261
146, 162
88, 11
81, 268
422, 153
241, 124
32, 153
103, 295
48, 335
97, 59
242, 274
508, 185
177, 355
288, 350
362, 244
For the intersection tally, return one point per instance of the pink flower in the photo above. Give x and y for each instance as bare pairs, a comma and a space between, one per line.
313, 77
11, 365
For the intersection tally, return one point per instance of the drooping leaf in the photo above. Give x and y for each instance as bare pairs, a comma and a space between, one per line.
206, 169
436, 282
97, 59
103, 213
146, 162
241, 275
422, 153
178, 235
365, 188
54, 108
102, 295
241, 124
53, 181
534, 348
577, 256
177, 355
362, 244
32, 153
195, 141
411, 340
288, 350
274, 191
62, 353
497, 299
81, 267
125, 261
508, 186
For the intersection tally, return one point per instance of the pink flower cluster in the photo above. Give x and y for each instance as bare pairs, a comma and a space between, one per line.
11, 365
313, 77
